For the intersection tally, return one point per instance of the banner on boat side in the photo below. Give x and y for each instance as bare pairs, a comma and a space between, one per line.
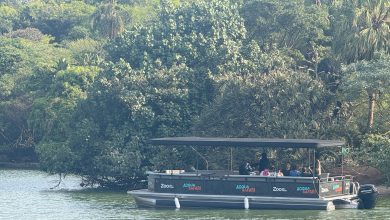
264, 187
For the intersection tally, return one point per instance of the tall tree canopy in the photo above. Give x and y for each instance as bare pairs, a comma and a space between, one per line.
107, 19
361, 28
246, 107
292, 25
367, 82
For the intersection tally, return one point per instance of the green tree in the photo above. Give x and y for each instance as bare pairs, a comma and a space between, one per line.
88, 52
20, 62
51, 116
361, 28
58, 19
107, 19
51, 113
368, 80
289, 25
378, 147
125, 108
282, 104
8, 15
204, 34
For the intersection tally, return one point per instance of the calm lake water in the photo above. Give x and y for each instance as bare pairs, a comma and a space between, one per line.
26, 194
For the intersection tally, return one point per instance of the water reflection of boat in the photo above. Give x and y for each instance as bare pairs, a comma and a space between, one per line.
226, 189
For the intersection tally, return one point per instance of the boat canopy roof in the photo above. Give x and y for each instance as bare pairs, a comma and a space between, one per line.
247, 142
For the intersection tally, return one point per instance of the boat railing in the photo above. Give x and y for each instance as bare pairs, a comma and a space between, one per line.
206, 173
331, 186
229, 175
324, 177
274, 177
355, 188
171, 174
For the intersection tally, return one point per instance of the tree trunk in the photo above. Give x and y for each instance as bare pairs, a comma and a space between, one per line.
371, 108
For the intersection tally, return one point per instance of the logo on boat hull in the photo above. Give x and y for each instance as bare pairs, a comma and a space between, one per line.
277, 189
245, 188
166, 186
306, 189
192, 187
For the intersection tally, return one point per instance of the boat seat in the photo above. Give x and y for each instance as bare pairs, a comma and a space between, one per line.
338, 177
324, 177
216, 173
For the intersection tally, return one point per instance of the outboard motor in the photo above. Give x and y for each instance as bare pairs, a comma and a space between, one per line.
367, 194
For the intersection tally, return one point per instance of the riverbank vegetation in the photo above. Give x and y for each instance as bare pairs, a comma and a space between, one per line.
87, 83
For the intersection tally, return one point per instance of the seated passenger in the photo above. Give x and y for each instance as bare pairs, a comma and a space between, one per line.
279, 173
272, 171
294, 171
286, 171
265, 172
245, 169
306, 172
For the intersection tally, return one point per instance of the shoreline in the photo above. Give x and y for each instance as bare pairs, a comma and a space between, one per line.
384, 191
15, 165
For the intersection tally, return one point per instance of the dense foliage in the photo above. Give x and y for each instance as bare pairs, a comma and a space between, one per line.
86, 83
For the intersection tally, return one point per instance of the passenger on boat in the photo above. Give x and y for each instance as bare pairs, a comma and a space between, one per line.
306, 172
286, 171
279, 173
245, 168
294, 171
317, 170
265, 172
264, 162
272, 171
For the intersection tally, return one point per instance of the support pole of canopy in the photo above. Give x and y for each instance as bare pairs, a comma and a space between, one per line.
344, 151
204, 158
342, 164
309, 159
314, 163
231, 159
